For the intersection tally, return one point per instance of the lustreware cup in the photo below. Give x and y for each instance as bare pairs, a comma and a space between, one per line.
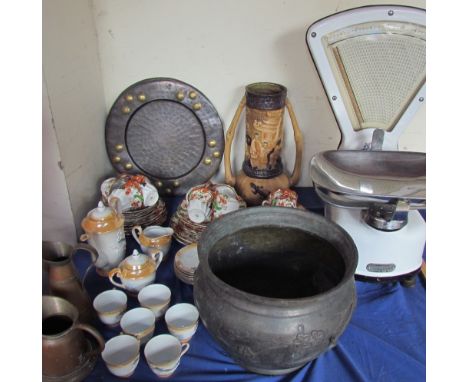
182, 321
121, 355
139, 322
110, 306
163, 354
155, 297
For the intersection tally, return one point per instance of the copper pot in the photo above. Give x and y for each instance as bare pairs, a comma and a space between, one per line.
62, 277
64, 346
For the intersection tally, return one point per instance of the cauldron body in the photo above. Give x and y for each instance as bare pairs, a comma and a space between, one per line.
275, 286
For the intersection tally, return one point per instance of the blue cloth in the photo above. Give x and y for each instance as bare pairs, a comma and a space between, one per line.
385, 340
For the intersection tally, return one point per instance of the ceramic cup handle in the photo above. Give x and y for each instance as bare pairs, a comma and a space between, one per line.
185, 348
136, 232
157, 257
94, 333
115, 272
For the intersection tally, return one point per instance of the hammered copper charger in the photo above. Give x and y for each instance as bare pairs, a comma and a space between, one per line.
169, 131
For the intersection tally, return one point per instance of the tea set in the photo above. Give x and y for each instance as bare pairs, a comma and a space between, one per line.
135, 275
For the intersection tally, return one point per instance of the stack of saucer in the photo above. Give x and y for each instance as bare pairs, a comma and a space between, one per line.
186, 263
144, 217
185, 230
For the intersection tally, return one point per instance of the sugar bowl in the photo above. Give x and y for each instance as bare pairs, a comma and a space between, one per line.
136, 271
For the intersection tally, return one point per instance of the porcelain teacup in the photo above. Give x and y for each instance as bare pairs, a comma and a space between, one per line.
282, 198
225, 200
182, 321
155, 297
199, 199
140, 323
121, 355
153, 239
110, 305
163, 354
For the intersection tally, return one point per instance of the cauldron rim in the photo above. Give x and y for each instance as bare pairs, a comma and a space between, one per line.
301, 304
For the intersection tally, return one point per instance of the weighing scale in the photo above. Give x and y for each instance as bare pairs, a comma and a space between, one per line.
372, 63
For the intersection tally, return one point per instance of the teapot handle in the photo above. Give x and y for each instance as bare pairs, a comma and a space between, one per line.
94, 333
86, 247
92, 252
136, 235
299, 145
229, 177
115, 272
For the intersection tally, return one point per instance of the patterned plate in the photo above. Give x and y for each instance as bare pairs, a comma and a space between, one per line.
167, 130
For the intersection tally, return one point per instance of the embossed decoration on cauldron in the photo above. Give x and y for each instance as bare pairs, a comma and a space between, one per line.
275, 286
262, 171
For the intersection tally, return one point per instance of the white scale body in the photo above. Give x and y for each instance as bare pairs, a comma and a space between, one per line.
382, 254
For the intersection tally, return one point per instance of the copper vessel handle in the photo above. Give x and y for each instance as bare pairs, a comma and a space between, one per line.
229, 177
115, 272
299, 145
93, 332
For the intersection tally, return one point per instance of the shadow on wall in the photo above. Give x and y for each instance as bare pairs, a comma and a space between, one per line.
308, 97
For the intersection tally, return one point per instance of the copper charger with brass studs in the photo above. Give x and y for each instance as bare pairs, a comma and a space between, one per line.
167, 130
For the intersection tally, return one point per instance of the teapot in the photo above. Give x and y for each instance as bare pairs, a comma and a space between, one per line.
136, 271
104, 227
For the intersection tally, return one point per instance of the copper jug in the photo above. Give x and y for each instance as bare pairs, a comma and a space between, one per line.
262, 171
62, 277
64, 347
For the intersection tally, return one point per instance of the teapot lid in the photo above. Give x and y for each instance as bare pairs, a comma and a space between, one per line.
102, 219
137, 265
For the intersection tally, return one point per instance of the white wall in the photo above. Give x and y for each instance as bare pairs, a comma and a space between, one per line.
57, 217
221, 46
73, 79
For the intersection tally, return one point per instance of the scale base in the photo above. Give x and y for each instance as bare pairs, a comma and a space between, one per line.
383, 256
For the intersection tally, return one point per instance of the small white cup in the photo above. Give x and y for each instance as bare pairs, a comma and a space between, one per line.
198, 211
163, 354
155, 297
139, 322
121, 355
182, 321
110, 306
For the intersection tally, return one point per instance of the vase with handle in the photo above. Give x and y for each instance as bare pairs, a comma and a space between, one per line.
262, 169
